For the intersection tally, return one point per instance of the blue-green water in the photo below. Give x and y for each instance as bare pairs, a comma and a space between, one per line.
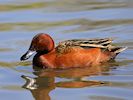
20, 20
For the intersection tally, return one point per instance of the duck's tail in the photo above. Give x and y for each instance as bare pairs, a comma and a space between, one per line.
116, 50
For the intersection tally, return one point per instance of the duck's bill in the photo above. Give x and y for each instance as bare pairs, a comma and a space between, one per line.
27, 55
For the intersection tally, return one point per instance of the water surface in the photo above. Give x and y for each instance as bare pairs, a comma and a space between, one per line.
20, 20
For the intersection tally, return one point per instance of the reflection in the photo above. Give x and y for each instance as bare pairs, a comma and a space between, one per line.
79, 84
11, 7
5, 49
45, 81
39, 87
63, 5
93, 25
14, 64
79, 24
72, 72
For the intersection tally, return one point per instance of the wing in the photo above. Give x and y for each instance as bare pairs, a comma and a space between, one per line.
84, 43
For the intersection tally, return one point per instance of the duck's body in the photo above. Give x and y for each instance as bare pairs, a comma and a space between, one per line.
71, 53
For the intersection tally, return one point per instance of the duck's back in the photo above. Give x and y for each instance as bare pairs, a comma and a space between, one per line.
84, 43
81, 53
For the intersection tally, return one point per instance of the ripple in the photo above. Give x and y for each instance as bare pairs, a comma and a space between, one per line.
6, 49
62, 5
84, 25
20, 20
114, 78
14, 64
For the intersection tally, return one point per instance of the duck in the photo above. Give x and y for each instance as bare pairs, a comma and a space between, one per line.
72, 53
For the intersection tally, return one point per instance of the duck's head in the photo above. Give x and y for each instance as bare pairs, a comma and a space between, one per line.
40, 43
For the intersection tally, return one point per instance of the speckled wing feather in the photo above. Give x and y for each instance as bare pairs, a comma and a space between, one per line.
84, 43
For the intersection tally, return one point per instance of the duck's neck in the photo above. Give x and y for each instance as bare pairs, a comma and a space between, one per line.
50, 45
44, 59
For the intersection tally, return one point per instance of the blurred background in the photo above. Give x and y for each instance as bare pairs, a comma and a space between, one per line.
20, 20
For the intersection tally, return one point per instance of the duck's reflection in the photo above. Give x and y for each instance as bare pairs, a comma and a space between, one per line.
45, 80
39, 87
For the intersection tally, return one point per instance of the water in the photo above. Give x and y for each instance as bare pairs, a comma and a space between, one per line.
20, 20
